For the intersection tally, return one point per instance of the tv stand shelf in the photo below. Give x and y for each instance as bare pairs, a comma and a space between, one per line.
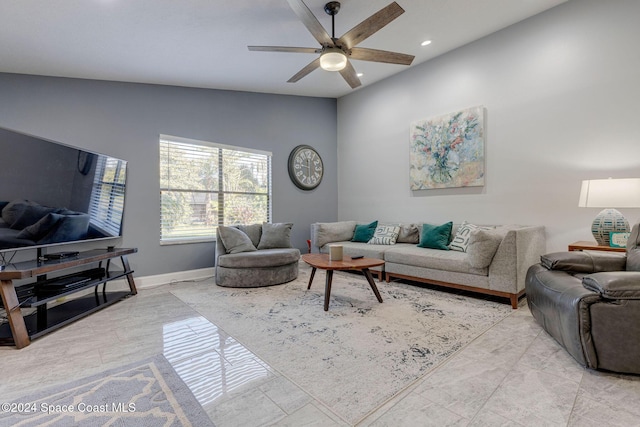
20, 329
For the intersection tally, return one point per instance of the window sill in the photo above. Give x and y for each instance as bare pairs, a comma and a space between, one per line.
187, 241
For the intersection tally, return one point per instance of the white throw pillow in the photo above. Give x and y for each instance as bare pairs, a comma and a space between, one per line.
460, 242
385, 235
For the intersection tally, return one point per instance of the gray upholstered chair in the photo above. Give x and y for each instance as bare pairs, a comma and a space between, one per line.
590, 303
261, 259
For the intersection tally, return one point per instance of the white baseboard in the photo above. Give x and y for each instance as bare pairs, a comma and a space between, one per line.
178, 276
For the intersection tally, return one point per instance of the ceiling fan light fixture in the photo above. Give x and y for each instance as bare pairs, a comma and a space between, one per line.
333, 59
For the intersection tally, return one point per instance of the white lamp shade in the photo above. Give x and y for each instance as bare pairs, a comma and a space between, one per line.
610, 193
333, 59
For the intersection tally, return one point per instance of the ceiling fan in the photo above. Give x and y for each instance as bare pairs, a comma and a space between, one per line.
335, 52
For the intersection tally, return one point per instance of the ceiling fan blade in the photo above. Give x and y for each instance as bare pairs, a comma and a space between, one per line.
284, 49
370, 25
375, 55
350, 75
306, 70
310, 21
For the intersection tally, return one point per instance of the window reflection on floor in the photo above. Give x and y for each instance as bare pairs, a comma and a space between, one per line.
210, 362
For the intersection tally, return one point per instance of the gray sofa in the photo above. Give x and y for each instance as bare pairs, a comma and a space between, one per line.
590, 303
255, 255
27, 223
500, 272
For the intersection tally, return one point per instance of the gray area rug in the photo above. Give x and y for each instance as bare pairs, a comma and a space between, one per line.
360, 353
146, 393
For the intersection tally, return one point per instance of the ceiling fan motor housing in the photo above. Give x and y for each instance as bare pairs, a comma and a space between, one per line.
332, 8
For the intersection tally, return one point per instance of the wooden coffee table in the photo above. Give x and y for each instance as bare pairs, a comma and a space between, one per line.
322, 262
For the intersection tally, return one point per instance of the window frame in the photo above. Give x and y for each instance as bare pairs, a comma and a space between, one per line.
216, 192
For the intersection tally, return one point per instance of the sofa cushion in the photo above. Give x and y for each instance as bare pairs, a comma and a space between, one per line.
409, 233
235, 240
9, 239
260, 259
460, 241
40, 229
436, 259
385, 235
436, 236
364, 232
614, 284
350, 248
275, 235
482, 247
67, 228
583, 261
12, 210
254, 231
633, 249
329, 232
23, 213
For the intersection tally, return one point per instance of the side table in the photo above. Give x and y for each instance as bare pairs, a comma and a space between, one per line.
584, 245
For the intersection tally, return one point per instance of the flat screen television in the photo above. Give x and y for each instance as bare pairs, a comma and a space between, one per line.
54, 194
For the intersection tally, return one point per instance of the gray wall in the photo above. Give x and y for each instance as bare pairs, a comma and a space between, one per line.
561, 93
124, 120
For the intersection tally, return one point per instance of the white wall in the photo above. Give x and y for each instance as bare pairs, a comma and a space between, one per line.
561, 92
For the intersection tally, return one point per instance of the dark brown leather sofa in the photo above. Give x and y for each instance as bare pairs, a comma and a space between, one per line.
590, 303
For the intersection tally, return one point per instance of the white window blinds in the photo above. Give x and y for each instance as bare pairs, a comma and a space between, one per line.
107, 197
203, 185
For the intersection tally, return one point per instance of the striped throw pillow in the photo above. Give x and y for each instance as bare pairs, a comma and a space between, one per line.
385, 235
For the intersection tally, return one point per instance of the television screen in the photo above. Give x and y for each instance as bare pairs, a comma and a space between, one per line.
51, 193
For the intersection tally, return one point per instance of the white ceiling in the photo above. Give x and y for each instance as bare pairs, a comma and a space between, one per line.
203, 43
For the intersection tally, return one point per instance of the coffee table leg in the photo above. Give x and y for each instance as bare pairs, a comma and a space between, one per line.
327, 290
313, 273
367, 274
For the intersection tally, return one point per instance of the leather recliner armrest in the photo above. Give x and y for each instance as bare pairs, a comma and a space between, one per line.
614, 285
584, 262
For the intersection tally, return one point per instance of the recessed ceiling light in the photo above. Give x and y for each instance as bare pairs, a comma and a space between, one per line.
425, 43
360, 74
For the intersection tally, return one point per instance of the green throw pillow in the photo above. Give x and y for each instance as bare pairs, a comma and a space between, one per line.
436, 236
364, 232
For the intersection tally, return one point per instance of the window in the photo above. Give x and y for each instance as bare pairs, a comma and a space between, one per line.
204, 185
107, 195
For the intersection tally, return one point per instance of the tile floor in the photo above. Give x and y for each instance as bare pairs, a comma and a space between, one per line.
512, 375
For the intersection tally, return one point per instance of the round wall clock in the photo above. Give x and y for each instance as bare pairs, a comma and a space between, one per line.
305, 167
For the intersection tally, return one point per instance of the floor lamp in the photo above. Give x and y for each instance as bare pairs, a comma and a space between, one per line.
609, 194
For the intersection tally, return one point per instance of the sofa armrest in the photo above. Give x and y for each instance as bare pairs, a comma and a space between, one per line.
520, 248
614, 285
584, 262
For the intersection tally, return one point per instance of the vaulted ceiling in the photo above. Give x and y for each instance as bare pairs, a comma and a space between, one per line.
203, 43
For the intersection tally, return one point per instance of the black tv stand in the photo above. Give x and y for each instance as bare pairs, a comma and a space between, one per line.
20, 330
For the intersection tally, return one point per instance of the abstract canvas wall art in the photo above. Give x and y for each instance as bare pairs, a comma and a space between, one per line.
448, 151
